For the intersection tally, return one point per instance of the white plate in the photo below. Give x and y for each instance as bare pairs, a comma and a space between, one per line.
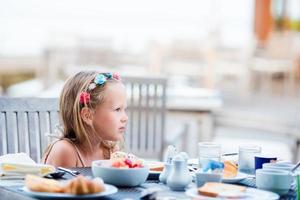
151, 163
154, 172
240, 176
251, 193
109, 189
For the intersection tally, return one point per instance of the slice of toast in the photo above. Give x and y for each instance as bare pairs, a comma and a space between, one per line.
156, 166
213, 189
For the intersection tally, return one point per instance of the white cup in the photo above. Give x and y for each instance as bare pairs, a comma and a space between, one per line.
203, 177
278, 181
280, 166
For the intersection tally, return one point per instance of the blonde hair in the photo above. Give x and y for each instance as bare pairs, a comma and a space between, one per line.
73, 126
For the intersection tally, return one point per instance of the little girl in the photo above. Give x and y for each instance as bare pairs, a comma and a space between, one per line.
93, 114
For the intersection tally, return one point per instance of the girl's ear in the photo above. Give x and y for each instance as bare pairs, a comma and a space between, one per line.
86, 115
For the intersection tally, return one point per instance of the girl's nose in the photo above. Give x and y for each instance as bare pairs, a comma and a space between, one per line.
125, 118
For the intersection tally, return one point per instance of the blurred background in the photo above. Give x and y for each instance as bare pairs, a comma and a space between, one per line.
237, 61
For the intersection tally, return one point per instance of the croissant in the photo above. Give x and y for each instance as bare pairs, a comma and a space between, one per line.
77, 186
82, 185
38, 184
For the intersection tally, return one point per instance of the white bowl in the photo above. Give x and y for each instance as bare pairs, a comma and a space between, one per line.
119, 176
274, 180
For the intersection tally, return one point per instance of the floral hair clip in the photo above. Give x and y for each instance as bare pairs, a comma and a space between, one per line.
116, 76
101, 78
84, 98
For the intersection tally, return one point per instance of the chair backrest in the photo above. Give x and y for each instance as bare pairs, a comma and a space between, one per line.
147, 112
24, 123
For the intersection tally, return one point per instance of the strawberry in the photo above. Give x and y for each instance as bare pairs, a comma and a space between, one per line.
128, 162
135, 165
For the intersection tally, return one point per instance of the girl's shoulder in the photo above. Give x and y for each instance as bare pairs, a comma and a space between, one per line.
64, 146
62, 153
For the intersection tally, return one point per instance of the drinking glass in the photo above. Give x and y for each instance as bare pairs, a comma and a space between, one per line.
246, 161
208, 151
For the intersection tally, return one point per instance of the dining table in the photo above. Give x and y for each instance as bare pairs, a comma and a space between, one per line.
151, 189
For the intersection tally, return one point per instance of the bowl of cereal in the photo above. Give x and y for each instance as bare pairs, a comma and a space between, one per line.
121, 170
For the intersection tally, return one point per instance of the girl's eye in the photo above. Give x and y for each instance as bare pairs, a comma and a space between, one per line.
118, 109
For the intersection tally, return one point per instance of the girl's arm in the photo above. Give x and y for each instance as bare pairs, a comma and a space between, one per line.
62, 154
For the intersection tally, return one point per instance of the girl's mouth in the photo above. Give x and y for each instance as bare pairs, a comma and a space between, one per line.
122, 129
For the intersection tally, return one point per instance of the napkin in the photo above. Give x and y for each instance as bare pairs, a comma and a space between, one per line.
16, 166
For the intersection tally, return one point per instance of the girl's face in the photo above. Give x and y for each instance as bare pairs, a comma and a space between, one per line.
110, 118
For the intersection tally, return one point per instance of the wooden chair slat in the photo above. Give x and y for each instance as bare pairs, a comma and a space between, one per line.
23, 123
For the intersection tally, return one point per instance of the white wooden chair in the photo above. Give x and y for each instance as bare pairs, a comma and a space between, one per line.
147, 112
24, 123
